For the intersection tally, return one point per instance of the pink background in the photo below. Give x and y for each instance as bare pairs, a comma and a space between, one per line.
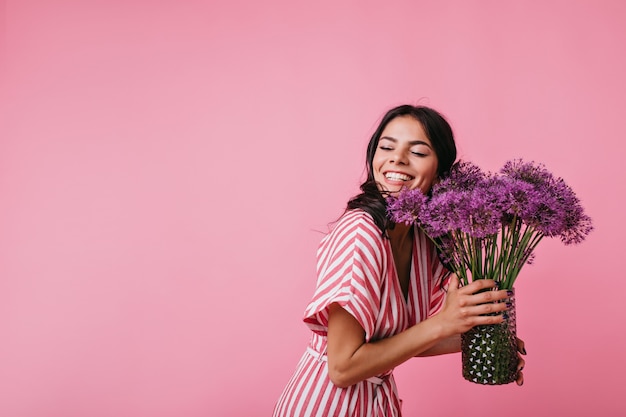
166, 168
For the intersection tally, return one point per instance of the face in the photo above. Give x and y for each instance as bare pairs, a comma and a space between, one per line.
405, 157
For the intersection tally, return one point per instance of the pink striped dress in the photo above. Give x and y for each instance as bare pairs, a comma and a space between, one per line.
355, 268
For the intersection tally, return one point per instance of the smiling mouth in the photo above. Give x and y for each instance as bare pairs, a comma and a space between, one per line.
396, 176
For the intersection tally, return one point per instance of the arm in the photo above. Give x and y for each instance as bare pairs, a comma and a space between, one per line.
451, 344
351, 359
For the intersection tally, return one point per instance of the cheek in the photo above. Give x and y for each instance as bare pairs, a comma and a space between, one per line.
424, 186
428, 179
377, 163
432, 173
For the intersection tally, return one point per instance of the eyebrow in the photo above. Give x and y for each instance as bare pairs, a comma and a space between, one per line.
413, 142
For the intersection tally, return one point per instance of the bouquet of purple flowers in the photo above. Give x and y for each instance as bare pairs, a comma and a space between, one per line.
487, 225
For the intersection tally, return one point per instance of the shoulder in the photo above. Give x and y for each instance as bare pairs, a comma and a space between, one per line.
355, 231
355, 241
357, 221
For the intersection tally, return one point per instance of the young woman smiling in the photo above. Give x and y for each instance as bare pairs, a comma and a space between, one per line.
380, 298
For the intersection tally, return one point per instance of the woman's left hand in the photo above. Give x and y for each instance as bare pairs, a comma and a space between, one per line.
521, 350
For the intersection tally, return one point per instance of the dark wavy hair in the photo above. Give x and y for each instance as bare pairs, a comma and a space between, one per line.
439, 132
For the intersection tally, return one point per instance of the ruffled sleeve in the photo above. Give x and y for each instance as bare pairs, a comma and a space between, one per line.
351, 263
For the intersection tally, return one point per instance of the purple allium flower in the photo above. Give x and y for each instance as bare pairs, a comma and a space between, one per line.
579, 225
575, 224
407, 206
442, 213
486, 206
488, 225
521, 198
467, 200
528, 172
547, 203
462, 176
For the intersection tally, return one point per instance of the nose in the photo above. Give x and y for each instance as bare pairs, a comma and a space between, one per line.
400, 157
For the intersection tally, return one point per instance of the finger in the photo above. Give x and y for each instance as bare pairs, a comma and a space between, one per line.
479, 285
479, 319
492, 296
520, 379
488, 297
454, 283
482, 309
521, 346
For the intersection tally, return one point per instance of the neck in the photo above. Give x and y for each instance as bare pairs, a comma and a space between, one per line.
400, 233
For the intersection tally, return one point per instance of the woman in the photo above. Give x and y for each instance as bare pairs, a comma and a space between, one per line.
380, 297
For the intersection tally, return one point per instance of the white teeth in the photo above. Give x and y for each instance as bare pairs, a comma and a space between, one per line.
396, 176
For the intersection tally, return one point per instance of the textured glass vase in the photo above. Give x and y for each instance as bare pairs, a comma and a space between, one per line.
489, 352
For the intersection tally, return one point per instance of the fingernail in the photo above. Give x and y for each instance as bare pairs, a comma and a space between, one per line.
523, 351
505, 316
509, 304
520, 369
509, 293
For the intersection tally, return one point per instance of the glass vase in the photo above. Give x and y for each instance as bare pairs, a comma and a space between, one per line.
489, 352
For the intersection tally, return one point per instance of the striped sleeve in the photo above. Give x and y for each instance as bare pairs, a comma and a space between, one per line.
350, 268
441, 276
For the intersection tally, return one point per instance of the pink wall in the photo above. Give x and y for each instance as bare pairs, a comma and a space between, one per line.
165, 168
